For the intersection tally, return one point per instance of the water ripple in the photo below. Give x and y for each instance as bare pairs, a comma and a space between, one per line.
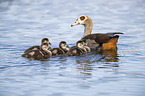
25, 22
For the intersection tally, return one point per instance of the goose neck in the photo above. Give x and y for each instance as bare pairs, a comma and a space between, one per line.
88, 28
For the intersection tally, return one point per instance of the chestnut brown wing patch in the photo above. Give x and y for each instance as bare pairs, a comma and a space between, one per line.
99, 38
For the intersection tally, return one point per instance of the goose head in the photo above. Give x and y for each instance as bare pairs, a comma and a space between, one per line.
81, 20
87, 22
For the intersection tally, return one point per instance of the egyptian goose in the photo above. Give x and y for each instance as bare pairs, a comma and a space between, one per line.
40, 54
77, 50
61, 50
97, 41
44, 40
85, 46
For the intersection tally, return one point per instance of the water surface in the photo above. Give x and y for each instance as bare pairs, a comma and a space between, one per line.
23, 23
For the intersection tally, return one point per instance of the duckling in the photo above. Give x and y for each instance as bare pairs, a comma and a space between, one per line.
44, 40
61, 50
40, 54
106, 41
85, 46
77, 50
81, 45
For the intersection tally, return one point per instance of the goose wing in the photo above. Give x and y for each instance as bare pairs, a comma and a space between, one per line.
102, 38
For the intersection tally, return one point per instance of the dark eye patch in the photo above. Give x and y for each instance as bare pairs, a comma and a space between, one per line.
45, 44
82, 17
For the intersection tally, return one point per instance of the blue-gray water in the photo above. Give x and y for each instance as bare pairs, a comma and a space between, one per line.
24, 23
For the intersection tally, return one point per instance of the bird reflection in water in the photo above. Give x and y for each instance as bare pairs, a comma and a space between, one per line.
110, 56
93, 60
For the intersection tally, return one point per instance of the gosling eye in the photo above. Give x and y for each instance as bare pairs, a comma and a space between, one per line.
82, 18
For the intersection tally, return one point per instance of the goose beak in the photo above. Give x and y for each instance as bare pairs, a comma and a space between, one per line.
76, 23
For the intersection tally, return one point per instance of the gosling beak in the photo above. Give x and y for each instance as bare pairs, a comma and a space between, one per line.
85, 44
67, 46
49, 43
76, 23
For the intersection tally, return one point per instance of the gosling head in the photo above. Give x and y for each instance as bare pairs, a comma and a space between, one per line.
85, 42
83, 19
44, 46
45, 40
80, 44
63, 45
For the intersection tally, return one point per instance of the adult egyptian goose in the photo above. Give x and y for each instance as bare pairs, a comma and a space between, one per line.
77, 50
96, 41
61, 50
44, 40
40, 54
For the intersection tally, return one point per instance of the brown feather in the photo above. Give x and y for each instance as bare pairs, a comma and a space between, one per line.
106, 41
111, 44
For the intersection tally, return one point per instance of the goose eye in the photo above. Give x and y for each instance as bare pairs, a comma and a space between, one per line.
82, 17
